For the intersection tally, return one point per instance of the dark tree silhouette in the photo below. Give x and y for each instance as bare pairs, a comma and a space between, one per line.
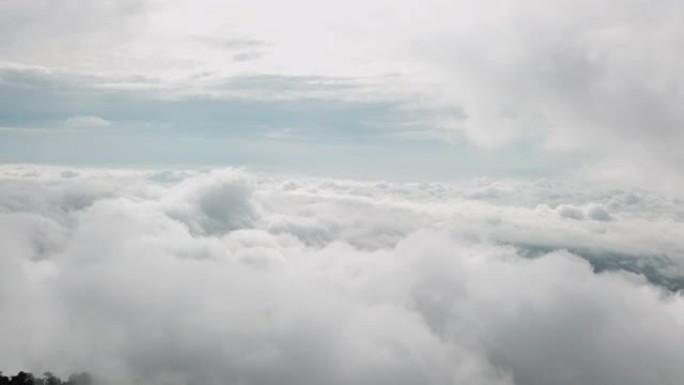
80, 379
4, 380
50, 379
22, 378
27, 378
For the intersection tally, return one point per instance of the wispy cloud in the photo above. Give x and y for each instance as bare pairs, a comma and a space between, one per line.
86, 122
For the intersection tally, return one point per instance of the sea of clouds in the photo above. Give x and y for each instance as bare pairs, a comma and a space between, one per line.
222, 276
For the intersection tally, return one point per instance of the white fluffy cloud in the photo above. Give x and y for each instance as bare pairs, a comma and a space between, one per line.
222, 276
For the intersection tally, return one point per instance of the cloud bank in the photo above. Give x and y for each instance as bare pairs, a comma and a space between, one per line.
223, 276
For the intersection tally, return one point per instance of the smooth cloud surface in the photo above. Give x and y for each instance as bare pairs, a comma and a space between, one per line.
222, 276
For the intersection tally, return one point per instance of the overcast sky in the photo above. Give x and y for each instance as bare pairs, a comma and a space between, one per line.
430, 88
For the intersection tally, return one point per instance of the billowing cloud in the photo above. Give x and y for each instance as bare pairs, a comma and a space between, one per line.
224, 276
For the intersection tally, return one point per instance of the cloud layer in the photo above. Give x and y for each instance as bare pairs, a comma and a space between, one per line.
222, 276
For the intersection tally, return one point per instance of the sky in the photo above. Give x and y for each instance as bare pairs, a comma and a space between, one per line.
362, 192
439, 89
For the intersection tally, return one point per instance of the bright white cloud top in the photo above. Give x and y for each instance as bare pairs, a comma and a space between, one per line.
222, 276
